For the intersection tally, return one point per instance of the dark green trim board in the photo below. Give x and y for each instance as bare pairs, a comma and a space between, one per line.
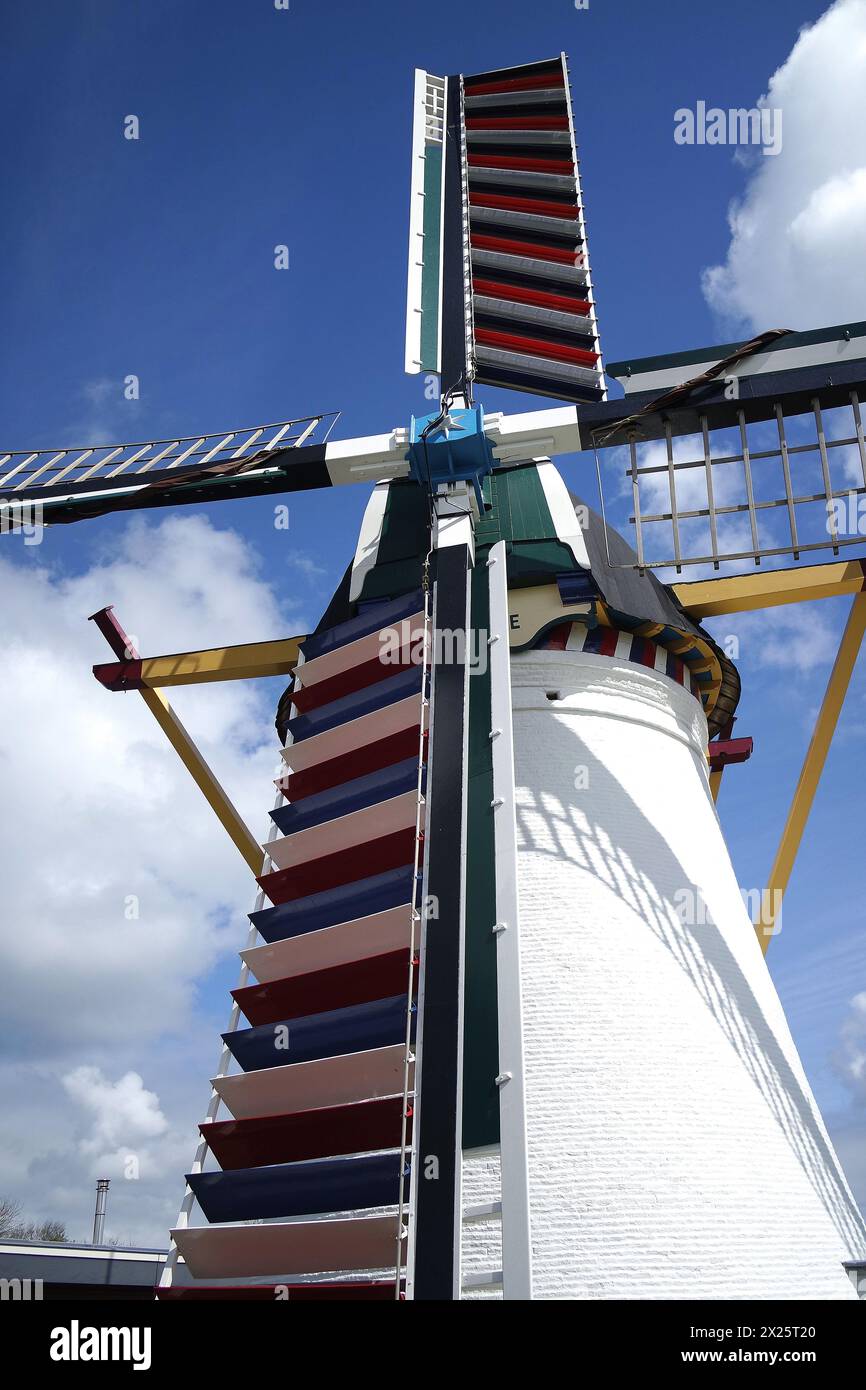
519, 508
430, 273
437, 1218
480, 1020
520, 516
454, 306
404, 542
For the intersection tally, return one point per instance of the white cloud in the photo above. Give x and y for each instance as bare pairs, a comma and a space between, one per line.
126, 1121
852, 1055
120, 889
300, 560
801, 638
795, 258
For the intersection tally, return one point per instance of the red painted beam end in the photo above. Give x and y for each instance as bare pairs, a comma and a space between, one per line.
120, 675
731, 750
113, 633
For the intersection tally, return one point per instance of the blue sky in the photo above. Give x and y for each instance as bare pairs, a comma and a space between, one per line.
155, 257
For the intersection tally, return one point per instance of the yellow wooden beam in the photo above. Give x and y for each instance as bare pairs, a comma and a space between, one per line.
739, 593
716, 782
813, 765
198, 662
204, 778
245, 662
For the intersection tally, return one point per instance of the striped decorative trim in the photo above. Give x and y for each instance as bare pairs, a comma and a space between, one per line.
338, 973
629, 646
305, 1247
363, 1126
299, 1189
357, 1028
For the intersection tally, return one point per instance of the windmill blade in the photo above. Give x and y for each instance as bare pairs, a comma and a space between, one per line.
74, 484
499, 285
770, 472
66, 485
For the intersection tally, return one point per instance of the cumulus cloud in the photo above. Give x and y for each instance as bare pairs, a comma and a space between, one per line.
123, 1117
802, 217
802, 638
121, 891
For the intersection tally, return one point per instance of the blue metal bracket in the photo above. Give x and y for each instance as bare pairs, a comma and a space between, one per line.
451, 448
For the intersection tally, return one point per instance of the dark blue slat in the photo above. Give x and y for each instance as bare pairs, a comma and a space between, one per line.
351, 796
558, 387
355, 1029
365, 701
299, 1189
371, 620
360, 899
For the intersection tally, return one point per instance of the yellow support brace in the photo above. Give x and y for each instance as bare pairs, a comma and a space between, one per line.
740, 593
246, 662
204, 778
813, 765
177, 735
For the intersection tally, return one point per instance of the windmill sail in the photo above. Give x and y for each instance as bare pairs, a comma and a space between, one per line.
500, 289
71, 483
776, 463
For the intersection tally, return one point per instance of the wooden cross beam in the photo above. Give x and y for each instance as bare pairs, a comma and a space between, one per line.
203, 776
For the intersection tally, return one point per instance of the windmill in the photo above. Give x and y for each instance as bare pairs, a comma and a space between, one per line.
511, 1032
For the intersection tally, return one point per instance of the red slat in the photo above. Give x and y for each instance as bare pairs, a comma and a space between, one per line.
337, 987
517, 84
542, 207
609, 639
517, 122
347, 682
556, 352
347, 866
556, 638
327, 1132
521, 162
520, 294
508, 247
371, 758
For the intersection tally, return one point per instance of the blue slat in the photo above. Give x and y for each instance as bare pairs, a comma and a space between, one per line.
360, 899
371, 620
351, 796
362, 1026
365, 701
299, 1189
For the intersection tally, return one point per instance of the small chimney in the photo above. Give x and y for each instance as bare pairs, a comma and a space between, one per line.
102, 1185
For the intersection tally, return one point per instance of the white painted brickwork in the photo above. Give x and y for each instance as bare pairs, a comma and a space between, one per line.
481, 1240
675, 1147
